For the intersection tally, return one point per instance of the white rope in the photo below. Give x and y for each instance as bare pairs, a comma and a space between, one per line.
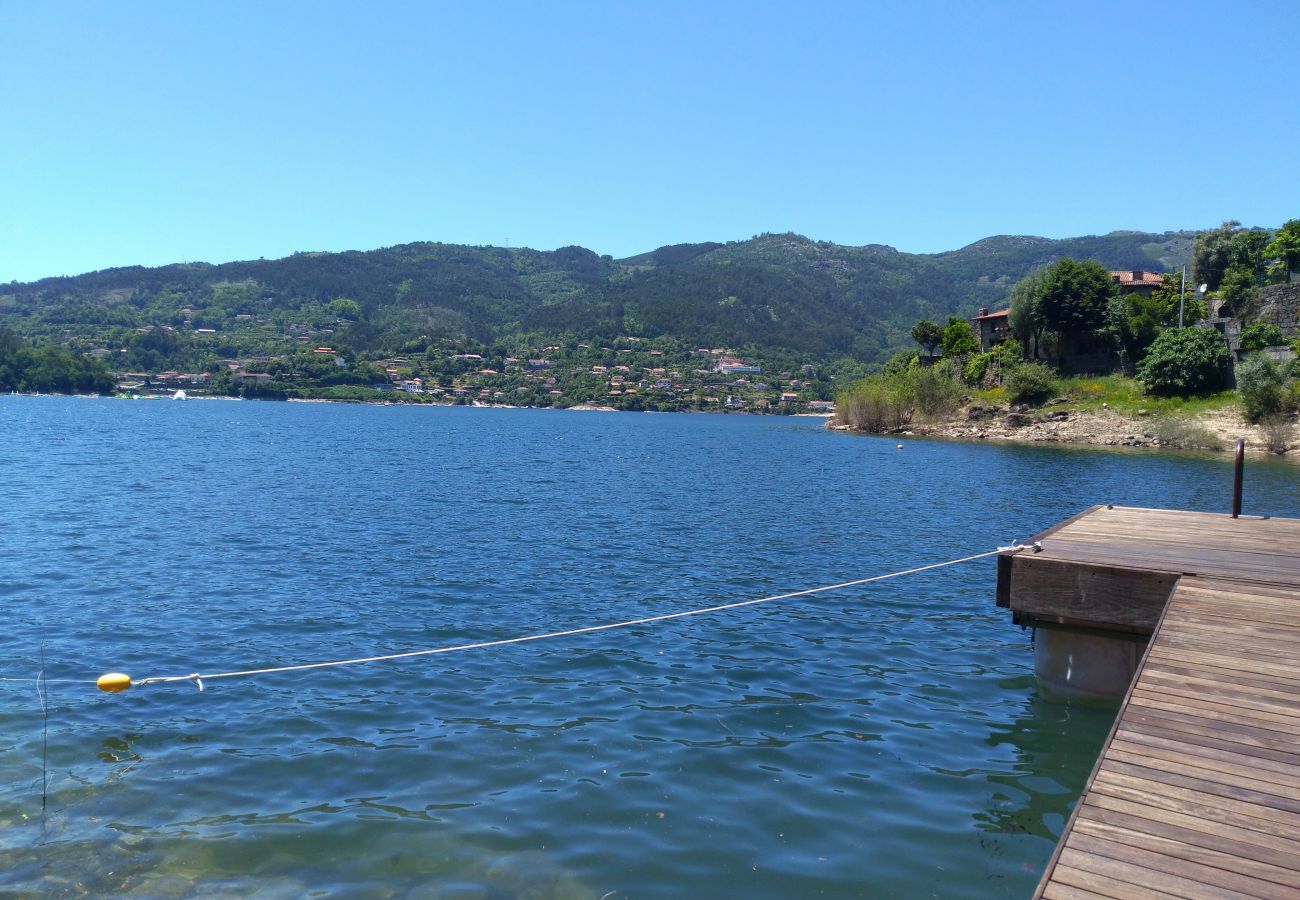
589, 629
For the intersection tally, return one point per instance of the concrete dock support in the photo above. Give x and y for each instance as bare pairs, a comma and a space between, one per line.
1079, 664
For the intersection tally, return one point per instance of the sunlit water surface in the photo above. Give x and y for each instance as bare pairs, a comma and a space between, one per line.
887, 740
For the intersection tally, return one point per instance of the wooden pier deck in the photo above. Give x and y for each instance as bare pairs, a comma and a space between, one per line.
1197, 790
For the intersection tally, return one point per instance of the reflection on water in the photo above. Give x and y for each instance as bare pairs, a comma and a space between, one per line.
869, 743
1056, 741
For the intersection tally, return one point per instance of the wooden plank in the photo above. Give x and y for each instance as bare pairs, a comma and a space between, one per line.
1253, 568
1248, 540
1164, 873
1251, 666
1237, 652
1245, 735
1170, 662
1260, 790
1189, 557
1212, 807
1285, 850
1181, 759
1212, 708
1210, 586
1256, 628
1197, 791
1088, 884
1203, 741
1059, 891
1107, 595
1124, 873
1191, 845
1219, 692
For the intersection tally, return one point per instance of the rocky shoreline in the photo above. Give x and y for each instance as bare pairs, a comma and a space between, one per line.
1057, 423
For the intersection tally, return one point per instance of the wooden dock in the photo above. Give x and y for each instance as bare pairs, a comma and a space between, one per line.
1197, 790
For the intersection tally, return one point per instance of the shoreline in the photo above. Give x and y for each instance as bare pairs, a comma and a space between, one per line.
1104, 428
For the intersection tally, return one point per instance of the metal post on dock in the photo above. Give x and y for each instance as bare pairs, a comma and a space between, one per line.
1236, 477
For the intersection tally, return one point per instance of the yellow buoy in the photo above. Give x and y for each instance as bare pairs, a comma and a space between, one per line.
113, 682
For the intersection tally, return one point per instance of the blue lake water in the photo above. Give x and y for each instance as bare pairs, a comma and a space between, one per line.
886, 740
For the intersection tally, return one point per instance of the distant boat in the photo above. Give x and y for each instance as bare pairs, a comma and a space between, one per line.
180, 395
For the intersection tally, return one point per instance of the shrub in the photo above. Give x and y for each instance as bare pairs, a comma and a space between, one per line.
933, 392
976, 368
1009, 354
1031, 383
875, 404
1261, 335
885, 402
1279, 434
1261, 387
902, 361
1184, 435
1185, 361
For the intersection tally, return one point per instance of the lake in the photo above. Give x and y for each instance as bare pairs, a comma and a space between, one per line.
887, 740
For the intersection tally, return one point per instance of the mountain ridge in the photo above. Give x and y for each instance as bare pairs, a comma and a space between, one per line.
779, 291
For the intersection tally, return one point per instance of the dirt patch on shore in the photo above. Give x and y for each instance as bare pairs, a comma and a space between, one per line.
1056, 423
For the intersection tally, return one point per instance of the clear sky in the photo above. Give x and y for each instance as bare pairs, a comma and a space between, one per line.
149, 133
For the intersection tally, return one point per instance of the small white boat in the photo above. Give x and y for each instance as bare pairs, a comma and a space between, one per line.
180, 395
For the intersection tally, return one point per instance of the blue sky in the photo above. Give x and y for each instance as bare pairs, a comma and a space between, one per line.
149, 133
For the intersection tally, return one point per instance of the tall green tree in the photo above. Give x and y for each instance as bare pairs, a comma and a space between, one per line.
959, 338
1135, 321
1285, 247
1074, 297
1025, 318
928, 334
1212, 254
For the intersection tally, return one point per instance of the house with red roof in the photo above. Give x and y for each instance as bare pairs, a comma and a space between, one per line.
991, 329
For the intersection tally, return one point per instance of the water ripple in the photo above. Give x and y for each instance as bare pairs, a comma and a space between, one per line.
868, 743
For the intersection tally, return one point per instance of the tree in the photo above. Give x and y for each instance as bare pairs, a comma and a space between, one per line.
1025, 318
928, 334
345, 308
1236, 291
959, 338
1259, 335
1212, 254
1186, 361
1074, 297
1285, 246
1230, 259
1134, 321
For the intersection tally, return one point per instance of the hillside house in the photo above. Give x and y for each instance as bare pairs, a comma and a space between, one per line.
991, 329
1137, 282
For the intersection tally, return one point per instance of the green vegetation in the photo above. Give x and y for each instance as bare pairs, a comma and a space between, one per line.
1259, 335
1072, 297
1186, 361
1233, 261
1265, 390
44, 369
882, 403
1285, 247
1180, 434
959, 338
1032, 383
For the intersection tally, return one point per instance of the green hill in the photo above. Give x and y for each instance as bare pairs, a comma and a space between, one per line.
773, 292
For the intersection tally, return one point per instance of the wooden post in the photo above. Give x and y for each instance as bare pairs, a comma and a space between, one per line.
1236, 477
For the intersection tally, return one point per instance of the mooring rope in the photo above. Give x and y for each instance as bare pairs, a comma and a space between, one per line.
198, 678
115, 682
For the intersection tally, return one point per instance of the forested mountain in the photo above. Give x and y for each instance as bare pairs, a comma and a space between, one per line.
779, 292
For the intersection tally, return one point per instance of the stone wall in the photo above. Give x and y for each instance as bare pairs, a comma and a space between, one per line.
1280, 305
